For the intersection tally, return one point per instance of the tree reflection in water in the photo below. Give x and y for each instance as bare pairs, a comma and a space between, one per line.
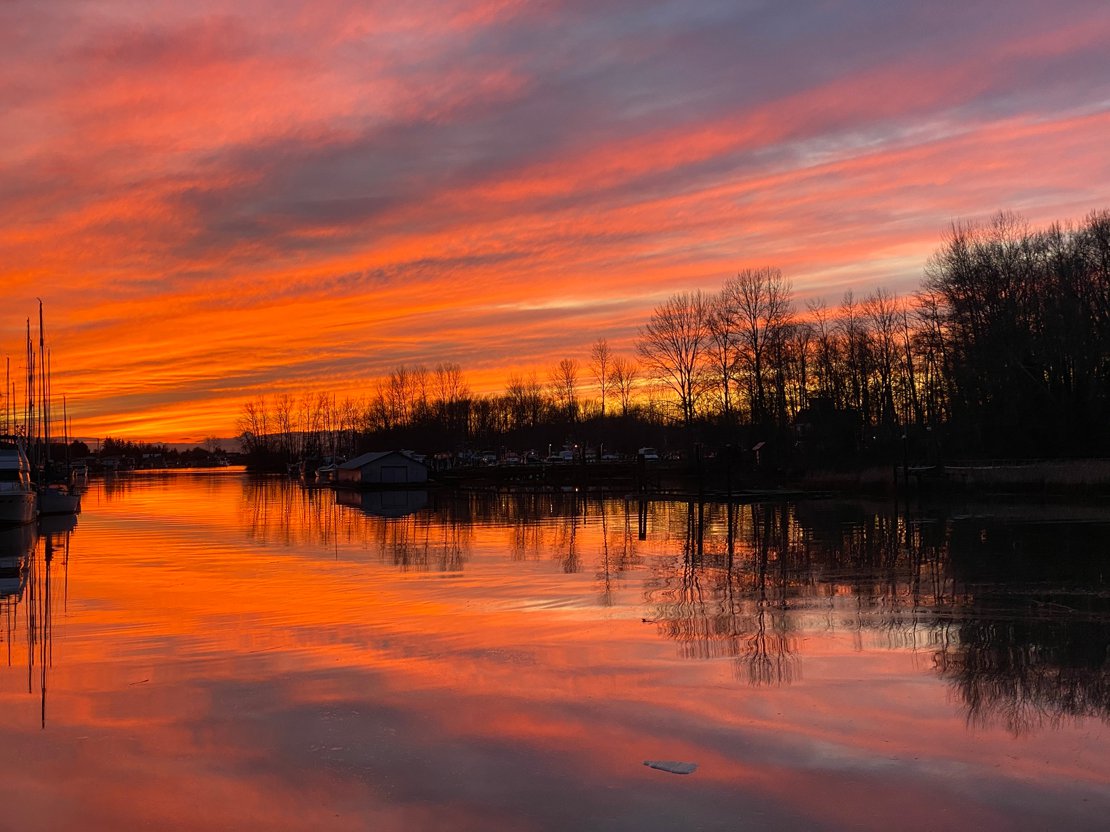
1013, 611
1016, 614
1032, 640
731, 600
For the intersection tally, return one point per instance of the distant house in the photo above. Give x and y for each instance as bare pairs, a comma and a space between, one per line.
383, 468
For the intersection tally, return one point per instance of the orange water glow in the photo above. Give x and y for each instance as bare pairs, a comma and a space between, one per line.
219, 200
234, 654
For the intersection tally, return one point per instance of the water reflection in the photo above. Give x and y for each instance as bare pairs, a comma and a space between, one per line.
16, 546
1032, 640
1014, 615
28, 586
491, 660
384, 503
730, 595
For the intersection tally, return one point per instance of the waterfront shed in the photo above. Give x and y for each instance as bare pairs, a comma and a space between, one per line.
383, 468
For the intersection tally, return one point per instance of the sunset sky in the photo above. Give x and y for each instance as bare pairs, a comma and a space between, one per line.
216, 200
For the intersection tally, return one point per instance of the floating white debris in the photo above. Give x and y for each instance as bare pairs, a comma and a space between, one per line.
673, 766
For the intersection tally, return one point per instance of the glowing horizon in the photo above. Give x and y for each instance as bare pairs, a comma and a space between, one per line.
219, 200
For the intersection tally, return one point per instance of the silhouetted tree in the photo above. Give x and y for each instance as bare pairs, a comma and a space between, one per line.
672, 347
857, 356
1023, 316
721, 354
564, 386
757, 304
601, 366
881, 312
625, 375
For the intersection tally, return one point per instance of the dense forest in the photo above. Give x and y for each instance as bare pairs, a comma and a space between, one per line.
1004, 351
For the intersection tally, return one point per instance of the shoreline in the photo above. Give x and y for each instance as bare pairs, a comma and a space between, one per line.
714, 480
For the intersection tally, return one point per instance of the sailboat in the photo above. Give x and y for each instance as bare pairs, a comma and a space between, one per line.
56, 496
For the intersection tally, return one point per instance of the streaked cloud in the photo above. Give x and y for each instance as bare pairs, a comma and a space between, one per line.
215, 199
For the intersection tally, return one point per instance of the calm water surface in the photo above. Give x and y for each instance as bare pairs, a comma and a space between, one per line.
208, 651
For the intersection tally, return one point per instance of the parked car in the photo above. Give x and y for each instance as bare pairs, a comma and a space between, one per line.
649, 454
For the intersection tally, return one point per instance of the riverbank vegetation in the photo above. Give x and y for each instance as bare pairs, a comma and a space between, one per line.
1003, 351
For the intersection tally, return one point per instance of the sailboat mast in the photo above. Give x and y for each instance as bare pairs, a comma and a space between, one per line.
45, 403
29, 402
65, 434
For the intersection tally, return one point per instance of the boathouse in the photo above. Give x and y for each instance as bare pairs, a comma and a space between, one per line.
383, 468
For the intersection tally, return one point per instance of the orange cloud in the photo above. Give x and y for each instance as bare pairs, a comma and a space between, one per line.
226, 200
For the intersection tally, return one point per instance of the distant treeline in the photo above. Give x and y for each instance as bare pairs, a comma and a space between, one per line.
1003, 351
130, 454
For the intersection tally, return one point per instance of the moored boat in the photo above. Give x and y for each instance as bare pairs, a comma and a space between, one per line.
56, 491
59, 498
18, 501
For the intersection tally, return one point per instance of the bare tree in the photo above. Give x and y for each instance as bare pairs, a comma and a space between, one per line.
672, 347
349, 422
419, 383
800, 352
758, 303
253, 424
534, 399
516, 399
285, 416
601, 367
913, 411
564, 386
882, 312
399, 395
828, 361
450, 386
721, 353
329, 420
625, 375
857, 356
525, 400
452, 397
930, 348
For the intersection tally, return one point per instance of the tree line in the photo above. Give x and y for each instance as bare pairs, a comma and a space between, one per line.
1003, 350
436, 409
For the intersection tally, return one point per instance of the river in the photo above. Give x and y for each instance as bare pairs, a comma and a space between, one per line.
214, 651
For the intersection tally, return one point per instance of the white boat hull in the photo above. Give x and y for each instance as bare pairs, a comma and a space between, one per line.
18, 501
59, 501
17, 508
